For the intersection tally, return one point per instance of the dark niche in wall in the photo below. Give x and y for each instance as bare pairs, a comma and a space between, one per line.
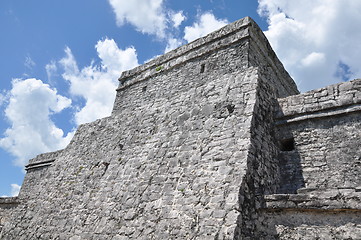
287, 144
203, 66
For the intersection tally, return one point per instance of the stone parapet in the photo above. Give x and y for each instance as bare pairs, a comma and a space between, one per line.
319, 135
213, 41
335, 99
260, 53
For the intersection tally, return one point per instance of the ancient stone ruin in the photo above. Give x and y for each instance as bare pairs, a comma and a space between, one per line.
209, 141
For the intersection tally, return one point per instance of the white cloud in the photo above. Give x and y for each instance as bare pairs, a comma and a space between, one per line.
31, 103
315, 39
177, 19
51, 70
172, 44
97, 84
313, 58
150, 17
150, 59
15, 189
147, 16
206, 23
115, 60
29, 63
2, 99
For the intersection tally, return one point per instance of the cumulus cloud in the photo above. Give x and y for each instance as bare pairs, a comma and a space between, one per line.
147, 16
2, 99
150, 17
177, 18
51, 70
317, 41
205, 24
31, 103
15, 189
313, 58
172, 44
97, 84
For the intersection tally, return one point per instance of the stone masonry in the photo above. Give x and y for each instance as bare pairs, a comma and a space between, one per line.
209, 141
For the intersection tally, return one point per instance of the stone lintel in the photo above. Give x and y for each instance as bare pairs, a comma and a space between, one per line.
39, 165
42, 160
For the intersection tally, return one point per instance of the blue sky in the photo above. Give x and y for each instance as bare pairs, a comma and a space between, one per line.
60, 60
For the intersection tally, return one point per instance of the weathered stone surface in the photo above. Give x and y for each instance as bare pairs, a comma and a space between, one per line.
297, 225
317, 199
320, 168
7, 204
327, 138
209, 141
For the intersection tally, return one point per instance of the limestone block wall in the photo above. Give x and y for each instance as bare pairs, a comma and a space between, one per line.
7, 204
313, 224
319, 191
325, 127
37, 171
156, 172
262, 56
209, 141
174, 156
237, 46
263, 174
204, 142
315, 103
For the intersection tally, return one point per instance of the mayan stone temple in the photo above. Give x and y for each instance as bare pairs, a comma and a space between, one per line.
209, 141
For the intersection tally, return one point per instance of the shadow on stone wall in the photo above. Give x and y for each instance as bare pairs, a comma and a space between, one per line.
289, 159
291, 175
273, 167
